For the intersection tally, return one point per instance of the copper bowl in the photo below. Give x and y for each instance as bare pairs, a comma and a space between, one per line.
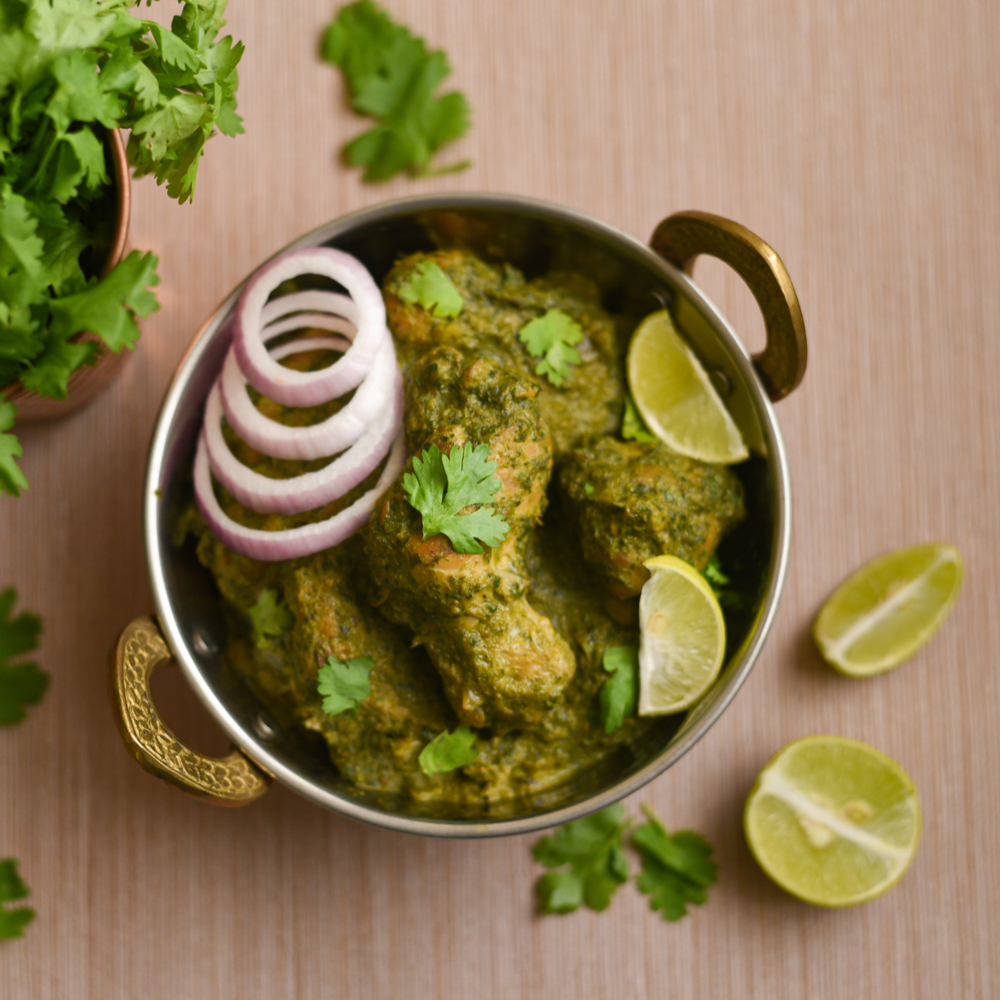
190, 626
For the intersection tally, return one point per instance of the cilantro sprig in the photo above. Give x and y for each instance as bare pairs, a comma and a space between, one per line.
676, 870
727, 596
590, 861
588, 864
427, 285
270, 618
70, 70
551, 337
12, 888
392, 77
633, 426
449, 751
345, 685
442, 486
21, 683
620, 692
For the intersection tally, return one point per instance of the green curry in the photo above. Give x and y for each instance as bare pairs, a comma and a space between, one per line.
510, 641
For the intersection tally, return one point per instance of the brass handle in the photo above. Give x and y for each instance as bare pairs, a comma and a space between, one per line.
229, 781
682, 237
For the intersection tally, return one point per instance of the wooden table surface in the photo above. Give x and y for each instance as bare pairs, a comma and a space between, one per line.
862, 141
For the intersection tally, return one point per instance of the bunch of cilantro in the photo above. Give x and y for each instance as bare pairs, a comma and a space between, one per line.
69, 71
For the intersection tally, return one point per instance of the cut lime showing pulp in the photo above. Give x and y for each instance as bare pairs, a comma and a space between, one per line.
675, 397
888, 609
682, 640
833, 820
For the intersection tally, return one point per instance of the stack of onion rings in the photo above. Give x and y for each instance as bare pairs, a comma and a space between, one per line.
361, 434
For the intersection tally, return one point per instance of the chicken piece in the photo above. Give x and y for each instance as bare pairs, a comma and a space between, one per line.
497, 302
633, 501
502, 663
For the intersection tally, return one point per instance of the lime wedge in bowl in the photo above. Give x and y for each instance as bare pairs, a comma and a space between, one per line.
675, 396
832, 820
682, 639
888, 609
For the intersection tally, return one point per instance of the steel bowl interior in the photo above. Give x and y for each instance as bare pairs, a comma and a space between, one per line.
536, 237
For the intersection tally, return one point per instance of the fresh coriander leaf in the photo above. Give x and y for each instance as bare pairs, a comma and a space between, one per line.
270, 617
676, 869
50, 371
633, 426
12, 887
449, 751
12, 479
108, 308
718, 581
391, 77
592, 849
620, 692
588, 488
428, 286
550, 337
714, 575
345, 685
167, 125
441, 486
20, 245
20, 683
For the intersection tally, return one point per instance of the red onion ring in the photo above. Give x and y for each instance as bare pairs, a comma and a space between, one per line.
311, 300
270, 546
317, 440
311, 489
284, 385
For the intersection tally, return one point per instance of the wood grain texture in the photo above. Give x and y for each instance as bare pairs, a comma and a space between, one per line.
861, 140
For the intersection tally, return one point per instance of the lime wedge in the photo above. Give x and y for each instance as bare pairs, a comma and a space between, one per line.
675, 397
683, 637
833, 820
888, 609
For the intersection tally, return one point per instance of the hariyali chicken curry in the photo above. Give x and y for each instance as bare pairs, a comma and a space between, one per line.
508, 641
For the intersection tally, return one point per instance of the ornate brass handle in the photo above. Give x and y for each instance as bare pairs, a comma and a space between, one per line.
682, 237
229, 781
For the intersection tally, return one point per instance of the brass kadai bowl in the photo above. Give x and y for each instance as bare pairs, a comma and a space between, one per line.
190, 626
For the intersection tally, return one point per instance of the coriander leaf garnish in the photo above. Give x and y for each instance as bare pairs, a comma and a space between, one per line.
714, 575
428, 286
345, 685
592, 849
676, 869
12, 887
718, 581
271, 618
550, 337
449, 751
20, 683
441, 486
391, 77
620, 692
633, 426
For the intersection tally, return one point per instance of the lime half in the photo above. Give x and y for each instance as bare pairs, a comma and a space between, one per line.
675, 397
833, 820
888, 609
682, 640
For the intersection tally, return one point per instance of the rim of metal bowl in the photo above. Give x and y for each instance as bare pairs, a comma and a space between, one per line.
247, 741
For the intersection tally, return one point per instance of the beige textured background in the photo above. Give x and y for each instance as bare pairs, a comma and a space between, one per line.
859, 138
